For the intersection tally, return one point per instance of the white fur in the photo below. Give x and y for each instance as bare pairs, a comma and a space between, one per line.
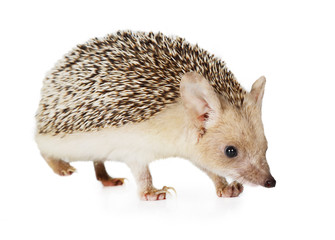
165, 135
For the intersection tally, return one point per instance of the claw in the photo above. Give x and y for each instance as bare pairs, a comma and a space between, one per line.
165, 188
67, 172
156, 194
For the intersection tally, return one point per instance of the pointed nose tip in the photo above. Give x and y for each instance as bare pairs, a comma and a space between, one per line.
270, 183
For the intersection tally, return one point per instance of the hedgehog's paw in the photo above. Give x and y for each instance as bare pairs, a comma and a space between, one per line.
234, 189
156, 194
111, 182
60, 167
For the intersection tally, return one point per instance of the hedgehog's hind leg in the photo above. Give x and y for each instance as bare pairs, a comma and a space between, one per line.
59, 166
104, 178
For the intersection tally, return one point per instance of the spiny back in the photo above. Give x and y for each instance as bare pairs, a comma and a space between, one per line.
124, 78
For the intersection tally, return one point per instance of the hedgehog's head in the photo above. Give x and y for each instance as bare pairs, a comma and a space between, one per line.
231, 140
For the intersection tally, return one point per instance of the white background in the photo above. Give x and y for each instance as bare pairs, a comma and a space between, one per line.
290, 42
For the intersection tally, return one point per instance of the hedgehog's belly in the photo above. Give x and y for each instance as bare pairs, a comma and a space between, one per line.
157, 138
116, 144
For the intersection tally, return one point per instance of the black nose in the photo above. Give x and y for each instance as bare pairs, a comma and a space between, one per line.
269, 183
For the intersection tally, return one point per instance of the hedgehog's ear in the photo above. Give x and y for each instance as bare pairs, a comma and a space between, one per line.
257, 90
199, 99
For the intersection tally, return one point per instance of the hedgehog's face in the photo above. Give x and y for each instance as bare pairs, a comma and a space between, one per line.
231, 141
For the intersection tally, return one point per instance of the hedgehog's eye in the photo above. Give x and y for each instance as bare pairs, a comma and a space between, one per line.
230, 151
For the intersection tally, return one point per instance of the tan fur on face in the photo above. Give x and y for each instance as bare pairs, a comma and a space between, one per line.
243, 129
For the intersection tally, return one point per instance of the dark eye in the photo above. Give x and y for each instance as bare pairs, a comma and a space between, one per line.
231, 151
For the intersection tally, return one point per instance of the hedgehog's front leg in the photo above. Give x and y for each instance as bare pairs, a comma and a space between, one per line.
223, 189
146, 190
102, 175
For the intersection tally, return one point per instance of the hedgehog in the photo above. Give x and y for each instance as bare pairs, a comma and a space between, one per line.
136, 97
